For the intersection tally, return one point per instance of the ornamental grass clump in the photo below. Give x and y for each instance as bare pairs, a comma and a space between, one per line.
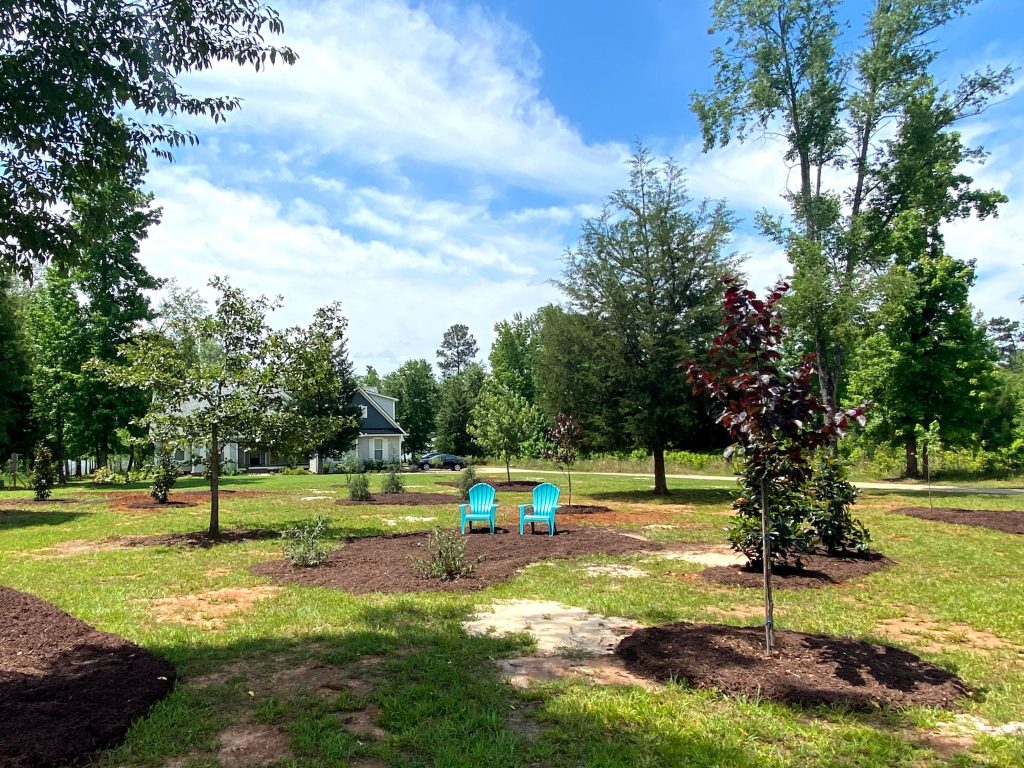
43, 475
392, 482
304, 546
447, 561
165, 475
359, 488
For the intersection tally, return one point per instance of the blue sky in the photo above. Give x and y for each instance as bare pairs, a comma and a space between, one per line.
428, 164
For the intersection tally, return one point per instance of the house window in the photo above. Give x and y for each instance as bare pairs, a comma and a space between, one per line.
179, 454
362, 411
378, 449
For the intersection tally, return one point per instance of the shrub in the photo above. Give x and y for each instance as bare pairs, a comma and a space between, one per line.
467, 480
392, 482
44, 477
165, 475
295, 471
830, 517
359, 488
304, 546
104, 476
447, 561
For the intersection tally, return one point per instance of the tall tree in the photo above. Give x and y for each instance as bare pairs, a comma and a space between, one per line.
77, 84
780, 71
457, 351
504, 422
371, 378
1008, 338
646, 272
458, 398
15, 369
513, 353
112, 220
416, 410
235, 389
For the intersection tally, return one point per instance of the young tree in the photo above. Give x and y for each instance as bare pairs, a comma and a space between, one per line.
770, 412
112, 220
503, 422
458, 397
43, 476
646, 272
233, 388
77, 82
416, 389
513, 353
564, 439
781, 71
457, 350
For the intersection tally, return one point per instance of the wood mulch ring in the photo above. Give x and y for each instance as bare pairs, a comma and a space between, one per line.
819, 571
403, 500
1007, 521
384, 563
808, 669
22, 501
510, 486
68, 690
196, 539
185, 498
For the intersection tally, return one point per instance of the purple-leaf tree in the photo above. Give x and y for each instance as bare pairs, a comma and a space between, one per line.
770, 412
564, 438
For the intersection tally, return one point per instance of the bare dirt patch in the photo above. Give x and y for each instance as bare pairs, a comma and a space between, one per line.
741, 612
385, 563
930, 635
1007, 521
809, 669
68, 690
211, 609
80, 547
635, 515
818, 571
364, 723
196, 539
615, 571
250, 744
524, 671
713, 555
402, 500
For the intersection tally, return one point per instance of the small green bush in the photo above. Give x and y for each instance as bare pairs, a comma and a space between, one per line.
295, 471
44, 477
467, 480
165, 475
304, 546
788, 507
447, 560
830, 516
359, 488
104, 476
392, 482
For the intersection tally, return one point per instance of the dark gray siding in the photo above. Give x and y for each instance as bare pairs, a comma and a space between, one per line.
375, 422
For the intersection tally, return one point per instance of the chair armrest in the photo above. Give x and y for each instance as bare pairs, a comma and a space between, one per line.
523, 507
556, 507
462, 508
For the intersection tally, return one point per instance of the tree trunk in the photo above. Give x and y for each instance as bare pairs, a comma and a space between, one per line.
911, 448
214, 467
62, 464
508, 469
131, 462
660, 485
924, 461
766, 559
78, 468
101, 457
568, 477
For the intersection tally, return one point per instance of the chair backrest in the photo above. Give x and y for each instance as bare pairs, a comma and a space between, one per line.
481, 497
545, 498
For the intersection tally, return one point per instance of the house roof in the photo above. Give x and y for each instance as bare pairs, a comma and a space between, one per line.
369, 398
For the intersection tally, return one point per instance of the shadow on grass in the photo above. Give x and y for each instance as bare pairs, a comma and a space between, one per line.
182, 484
676, 496
26, 518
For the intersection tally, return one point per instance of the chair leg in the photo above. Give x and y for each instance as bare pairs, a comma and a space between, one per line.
532, 528
492, 525
520, 525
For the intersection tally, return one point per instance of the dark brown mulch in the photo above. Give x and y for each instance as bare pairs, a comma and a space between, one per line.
584, 509
197, 539
384, 563
67, 690
512, 486
808, 670
818, 571
404, 500
1006, 521
185, 498
169, 504
32, 502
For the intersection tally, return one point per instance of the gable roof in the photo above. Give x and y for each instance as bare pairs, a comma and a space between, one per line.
369, 398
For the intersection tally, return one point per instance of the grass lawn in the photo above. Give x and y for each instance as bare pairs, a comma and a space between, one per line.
424, 693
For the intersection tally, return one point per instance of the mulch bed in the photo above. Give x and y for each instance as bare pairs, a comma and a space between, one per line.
512, 486
819, 570
403, 500
68, 690
808, 670
32, 502
1006, 521
197, 539
384, 563
584, 509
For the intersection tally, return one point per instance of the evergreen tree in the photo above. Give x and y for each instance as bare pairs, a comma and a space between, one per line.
15, 371
417, 391
459, 394
457, 350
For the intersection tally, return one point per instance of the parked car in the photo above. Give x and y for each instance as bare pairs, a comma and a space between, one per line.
441, 461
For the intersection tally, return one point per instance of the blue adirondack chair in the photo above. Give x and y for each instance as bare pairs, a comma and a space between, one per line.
545, 504
481, 506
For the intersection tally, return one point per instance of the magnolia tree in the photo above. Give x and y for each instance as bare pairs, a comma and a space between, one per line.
224, 377
564, 438
771, 413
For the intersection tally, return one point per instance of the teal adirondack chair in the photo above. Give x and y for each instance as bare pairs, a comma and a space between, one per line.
545, 504
481, 506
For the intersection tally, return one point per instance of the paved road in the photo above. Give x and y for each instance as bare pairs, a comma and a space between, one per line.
900, 487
